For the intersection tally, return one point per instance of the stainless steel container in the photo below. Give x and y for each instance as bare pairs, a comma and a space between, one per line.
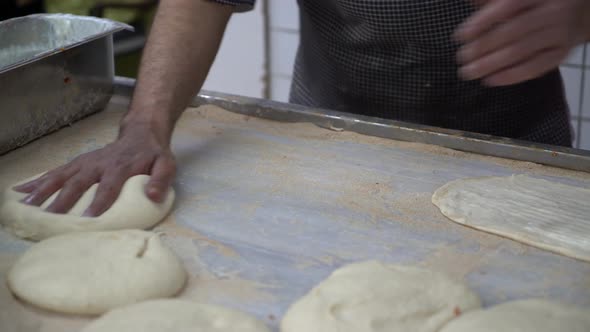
54, 70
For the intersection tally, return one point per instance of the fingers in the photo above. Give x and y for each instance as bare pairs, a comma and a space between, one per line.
162, 175
47, 185
492, 13
163, 171
508, 42
31, 185
108, 190
510, 56
541, 64
71, 192
515, 30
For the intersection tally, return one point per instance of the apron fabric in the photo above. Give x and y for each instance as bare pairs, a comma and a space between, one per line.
396, 59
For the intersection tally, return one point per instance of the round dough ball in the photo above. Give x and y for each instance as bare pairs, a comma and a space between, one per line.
533, 315
132, 210
371, 296
175, 316
93, 272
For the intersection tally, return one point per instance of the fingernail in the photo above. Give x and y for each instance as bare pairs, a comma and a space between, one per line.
28, 200
87, 214
154, 194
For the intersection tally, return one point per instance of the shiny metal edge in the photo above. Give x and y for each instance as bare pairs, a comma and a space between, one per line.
112, 27
567, 158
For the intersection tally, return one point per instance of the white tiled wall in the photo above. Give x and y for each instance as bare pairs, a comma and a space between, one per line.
572, 78
283, 48
585, 137
576, 75
284, 38
243, 74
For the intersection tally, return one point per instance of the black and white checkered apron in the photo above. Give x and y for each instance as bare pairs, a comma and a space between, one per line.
396, 59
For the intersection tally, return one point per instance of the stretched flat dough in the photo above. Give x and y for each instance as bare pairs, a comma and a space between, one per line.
132, 210
175, 316
531, 315
93, 272
541, 213
374, 297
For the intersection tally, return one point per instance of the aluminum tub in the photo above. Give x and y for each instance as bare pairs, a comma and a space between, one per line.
54, 70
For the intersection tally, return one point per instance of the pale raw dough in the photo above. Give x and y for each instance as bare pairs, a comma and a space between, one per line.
93, 272
523, 316
132, 210
538, 212
374, 297
176, 316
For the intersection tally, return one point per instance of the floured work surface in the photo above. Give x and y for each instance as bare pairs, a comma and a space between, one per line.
267, 210
538, 212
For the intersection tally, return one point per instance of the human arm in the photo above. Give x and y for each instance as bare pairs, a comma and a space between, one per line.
184, 40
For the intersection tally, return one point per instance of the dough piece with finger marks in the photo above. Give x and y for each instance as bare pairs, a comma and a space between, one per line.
89, 273
132, 210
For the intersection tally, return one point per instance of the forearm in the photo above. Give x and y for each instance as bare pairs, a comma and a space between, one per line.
184, 40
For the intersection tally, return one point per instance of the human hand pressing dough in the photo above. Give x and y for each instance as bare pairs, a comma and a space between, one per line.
132, 210
138, 150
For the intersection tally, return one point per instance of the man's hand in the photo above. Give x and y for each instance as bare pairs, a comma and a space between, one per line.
169, 78
512, 41
137, 151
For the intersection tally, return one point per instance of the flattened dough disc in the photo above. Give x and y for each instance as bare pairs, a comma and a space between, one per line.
544, 214
531, 315
176, 316
93, 272
132, 210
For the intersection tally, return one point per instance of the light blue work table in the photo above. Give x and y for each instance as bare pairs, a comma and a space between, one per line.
265, 211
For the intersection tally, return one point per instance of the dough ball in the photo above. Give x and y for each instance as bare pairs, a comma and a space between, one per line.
371, 296
132, 210
93, 272
176, 316
532, 315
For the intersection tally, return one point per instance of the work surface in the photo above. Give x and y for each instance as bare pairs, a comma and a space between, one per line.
266, 210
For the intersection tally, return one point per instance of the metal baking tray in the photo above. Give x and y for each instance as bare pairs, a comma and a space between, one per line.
54, 69
556, 156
